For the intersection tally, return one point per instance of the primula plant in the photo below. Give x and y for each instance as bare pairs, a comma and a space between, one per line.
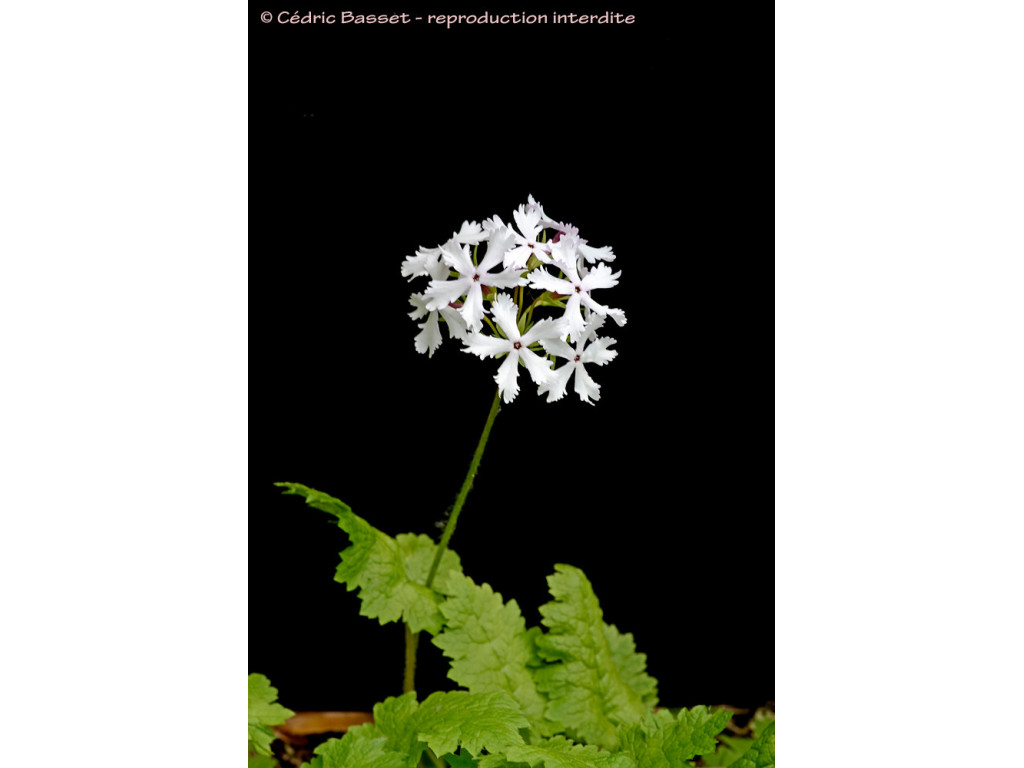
573, 692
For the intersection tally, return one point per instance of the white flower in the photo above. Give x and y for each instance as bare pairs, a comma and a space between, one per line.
516, 347
592, 254
533, 206
422, 263
547, 222
597, 353
461, 294
577, 287
472, 277
493, 223
470, 233
527, 242
429, 338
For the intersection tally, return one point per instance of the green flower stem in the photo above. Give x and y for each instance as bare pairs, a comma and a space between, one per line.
412, 642
529, 309
497, 333
467, 483
412, 639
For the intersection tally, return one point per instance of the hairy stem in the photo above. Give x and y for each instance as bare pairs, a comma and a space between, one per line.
412, 639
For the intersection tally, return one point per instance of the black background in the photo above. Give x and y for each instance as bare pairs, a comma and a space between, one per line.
367, 142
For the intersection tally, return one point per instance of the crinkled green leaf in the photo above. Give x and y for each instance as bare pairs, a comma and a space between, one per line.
262, 761
444, 721
592, 687
356, 753
490, 647
558, 752
392, 719
477, 721
388, 572
263, 713
761, 753
631, 665
659, 740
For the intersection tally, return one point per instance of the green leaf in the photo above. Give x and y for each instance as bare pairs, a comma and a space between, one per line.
388, 572
393, 719
361, 752
659, 740
762, 752
263, 713
631, 665
460, 760
444, 721
262, 761
595, 681
477, 721
490, 647
558, 752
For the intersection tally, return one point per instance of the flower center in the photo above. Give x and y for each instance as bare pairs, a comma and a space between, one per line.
578, 289
476, 278
576, 359
518, 345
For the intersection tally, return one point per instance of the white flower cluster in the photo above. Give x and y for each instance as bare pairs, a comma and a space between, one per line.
557, 274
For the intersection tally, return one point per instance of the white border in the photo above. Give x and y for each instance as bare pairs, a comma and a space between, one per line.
123, 336
899, 204
899, 391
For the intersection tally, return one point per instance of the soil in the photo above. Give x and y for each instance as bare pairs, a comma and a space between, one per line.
304, 732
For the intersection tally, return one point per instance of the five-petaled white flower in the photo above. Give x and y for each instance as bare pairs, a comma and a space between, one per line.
527, 240
515, 346
595, 352
577, 287
472, 278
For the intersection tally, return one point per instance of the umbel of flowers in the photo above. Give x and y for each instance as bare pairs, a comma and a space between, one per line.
493, 303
